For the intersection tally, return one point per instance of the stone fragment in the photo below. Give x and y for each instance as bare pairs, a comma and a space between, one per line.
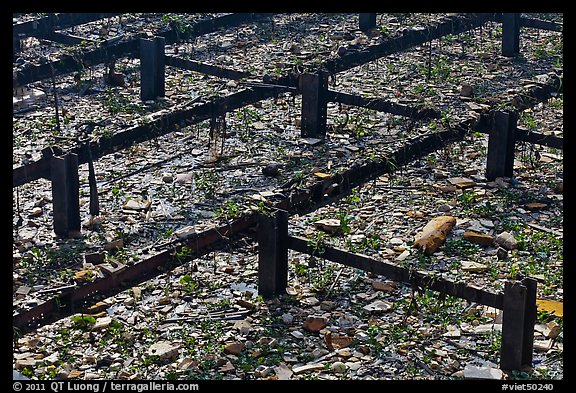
137, 293
482, 372
226, 367
338, 367
475, 267
114, 244
136, 205
386, 286
35, 212
542, 345
331, 225
187, 363
234, 348
184, 178
308, 367
433, 235
552, 330
315, 323
272, 170
23, 290
102, 323
535, 206
327, 305
283, 372
287, 319
479, 238
25, 363
452, 331
167, 177
322, 175
414, 214
378, 306
263, 371
310, 301
559, 187
507, 241
243, 326
501, 254
462, 182
164, 349
444, 208
466, 90
74, 374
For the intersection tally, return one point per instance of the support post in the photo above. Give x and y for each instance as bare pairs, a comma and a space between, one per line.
65, 194
513, 326
500, 159
16, 45
152, 64
510, 34
273, 253
367, 21
314, 89
530, 316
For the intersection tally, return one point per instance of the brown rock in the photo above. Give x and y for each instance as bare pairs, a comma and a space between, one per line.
384, 286
559, 187
331, 225
315, 324
434, 234
479, 238
84, 275
466, 90
535, 206
74, 374
164, 349
114, 244
136, 204
462, 182
234, 348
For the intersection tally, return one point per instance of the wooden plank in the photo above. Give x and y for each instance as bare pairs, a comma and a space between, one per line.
383, 105
411, 38
197, 244
129, 48
66, 39
204, 68
398, 273
535, 23
525, 135
57, 21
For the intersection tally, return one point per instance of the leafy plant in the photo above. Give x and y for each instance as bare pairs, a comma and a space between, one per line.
189, 284
83, 322
460, 246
